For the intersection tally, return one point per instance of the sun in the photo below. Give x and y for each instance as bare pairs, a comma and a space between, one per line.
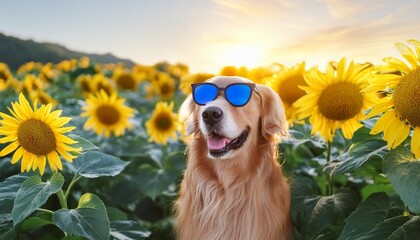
249, 55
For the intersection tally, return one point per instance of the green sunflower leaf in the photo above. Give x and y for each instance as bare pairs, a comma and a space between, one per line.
83, 143
359, 153
313, 215
95, 164
128, 230
89, 219
409, 230
368, 214
10, 186
154, 181
404, 173
34, 222
7, 231
34, 193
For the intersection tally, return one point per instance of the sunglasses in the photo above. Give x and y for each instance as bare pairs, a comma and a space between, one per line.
237, 94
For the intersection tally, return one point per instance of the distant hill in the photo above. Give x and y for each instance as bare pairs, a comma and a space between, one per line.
15, 52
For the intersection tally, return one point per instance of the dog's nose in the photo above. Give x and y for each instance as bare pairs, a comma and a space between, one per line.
212, 115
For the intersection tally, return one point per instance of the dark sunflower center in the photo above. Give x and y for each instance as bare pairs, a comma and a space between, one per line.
85, 86
165, 89
3, 75
340, 101
289, 90
126, 81
44, 100
36, 137
163, 122
107, 114
407, 97
106, 88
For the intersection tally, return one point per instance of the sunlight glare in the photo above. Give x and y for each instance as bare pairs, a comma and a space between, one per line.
248, 55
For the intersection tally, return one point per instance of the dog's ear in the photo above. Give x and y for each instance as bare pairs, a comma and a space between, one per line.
273, 117
186, 115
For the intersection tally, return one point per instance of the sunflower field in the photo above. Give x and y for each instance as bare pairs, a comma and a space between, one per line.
97, 151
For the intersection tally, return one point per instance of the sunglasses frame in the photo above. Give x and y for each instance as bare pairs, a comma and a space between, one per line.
253, 87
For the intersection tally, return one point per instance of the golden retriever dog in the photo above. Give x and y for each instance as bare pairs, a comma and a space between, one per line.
233, 187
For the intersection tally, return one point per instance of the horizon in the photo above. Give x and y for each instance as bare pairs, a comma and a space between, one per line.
208, 35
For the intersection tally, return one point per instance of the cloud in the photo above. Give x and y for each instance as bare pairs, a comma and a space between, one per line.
351, 9
369, 41
260, 9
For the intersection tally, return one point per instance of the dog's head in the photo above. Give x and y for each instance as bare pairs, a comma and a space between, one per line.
226, 128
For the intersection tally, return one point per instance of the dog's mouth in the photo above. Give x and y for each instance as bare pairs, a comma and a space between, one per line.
219, 145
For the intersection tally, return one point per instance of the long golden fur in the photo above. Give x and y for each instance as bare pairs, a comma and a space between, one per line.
243, 195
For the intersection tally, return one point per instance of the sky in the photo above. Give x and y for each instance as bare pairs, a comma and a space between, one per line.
209, 34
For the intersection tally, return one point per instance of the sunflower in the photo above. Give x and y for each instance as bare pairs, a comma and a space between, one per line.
164, 86
178, 70
5, 76
107, 114
126, 80
233, 71
287, 84
48, 73
37, 135
163, 123
259, 74
30, 83
29, 67
186, 81
84, 62
67, 65
336, 99
4, 72
42, 97
100, 82
400, 107
145, 72
86, 84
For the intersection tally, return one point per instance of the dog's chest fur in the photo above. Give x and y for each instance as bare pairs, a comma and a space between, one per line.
222, 199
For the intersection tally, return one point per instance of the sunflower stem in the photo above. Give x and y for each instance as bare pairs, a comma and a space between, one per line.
73, 181
164, 153
45, 210
330, 176
62, 199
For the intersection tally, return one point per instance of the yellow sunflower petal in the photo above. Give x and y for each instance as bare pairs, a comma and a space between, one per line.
26, 158
397, 63
10, 148
41, 164
415, 142
8, 119
350, 127
341, 69
65, 139
34, 163
383, 123
408, 54
65, 154
9, 138
54, 161
402, 132
17, 155
416, 45
380, 108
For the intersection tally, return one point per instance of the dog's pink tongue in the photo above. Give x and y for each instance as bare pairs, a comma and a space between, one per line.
217, 143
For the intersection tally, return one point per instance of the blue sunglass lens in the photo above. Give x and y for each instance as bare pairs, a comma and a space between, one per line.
238, 94
205, 93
